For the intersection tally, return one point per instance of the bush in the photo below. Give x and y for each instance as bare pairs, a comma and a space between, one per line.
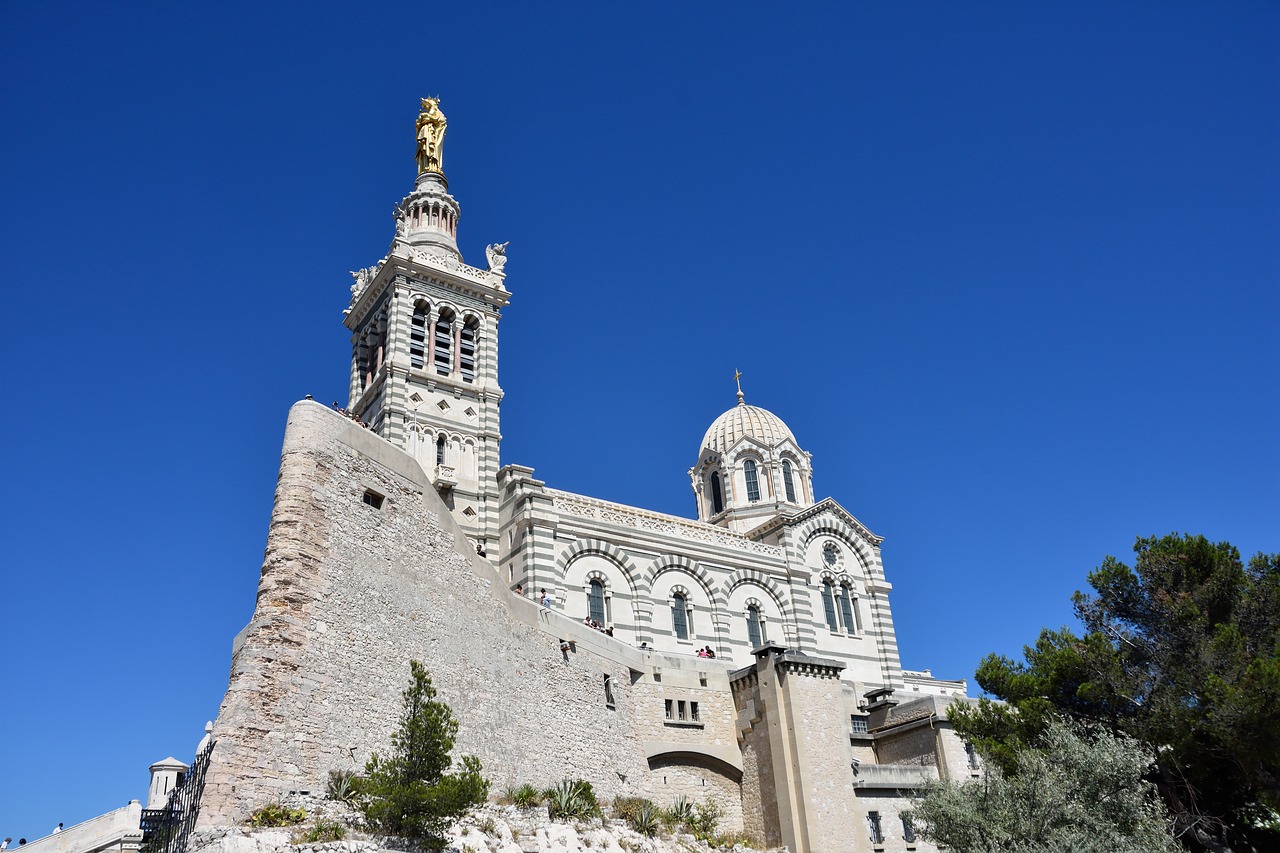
344, 786
681, 810
523, 797
410, 793
324, 830
704, 821
647, 819
275, 814
626, 808
572, 799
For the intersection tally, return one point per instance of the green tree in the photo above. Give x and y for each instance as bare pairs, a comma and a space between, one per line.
1182, 653
1081, 791
411, 793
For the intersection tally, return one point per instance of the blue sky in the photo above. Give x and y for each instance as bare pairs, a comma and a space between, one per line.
1009, 271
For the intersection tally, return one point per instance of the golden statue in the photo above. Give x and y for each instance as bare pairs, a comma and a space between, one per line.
431, 124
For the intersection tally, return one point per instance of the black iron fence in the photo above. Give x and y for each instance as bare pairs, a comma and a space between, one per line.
167, 830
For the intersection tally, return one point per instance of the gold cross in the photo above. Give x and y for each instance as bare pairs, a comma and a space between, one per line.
737, 377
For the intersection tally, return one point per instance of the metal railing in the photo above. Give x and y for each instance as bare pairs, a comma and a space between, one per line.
167, 830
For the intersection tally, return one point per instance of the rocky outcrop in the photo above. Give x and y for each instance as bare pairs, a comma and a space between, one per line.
490, 829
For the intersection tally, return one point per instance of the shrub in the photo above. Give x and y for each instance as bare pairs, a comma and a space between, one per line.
411, 793
344, 786
681, 810
704, 820
521, 796
573, 799
646, 820
488, 825
626, 808
325, 830
275, 814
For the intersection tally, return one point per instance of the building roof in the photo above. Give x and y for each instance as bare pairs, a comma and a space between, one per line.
743, 420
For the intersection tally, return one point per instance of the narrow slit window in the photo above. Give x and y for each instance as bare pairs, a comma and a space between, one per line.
418, 337
787, 482
444, 345
717, 496
753, 481
754, 635
829, 605
373, 499
608, 691
680, 616
595, 601
846, 610
467, 353
669, 705
440, 448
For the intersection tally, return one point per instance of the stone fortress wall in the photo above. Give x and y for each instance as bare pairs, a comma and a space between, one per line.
349, 593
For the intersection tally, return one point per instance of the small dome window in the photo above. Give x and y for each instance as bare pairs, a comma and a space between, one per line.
753, 481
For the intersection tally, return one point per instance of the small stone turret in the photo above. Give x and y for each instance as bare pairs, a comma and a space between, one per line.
166, 774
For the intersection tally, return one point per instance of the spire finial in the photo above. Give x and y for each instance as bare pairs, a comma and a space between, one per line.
737, 377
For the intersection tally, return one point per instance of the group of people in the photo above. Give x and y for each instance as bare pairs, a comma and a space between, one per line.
591, 623
22, 841
343, 411
706, 652
543, 598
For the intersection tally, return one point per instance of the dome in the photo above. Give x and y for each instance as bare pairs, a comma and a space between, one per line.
743, 420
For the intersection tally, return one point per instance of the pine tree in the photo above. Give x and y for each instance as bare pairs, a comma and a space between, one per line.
410, 793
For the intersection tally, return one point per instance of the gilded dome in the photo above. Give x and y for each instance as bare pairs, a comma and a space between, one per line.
743, 420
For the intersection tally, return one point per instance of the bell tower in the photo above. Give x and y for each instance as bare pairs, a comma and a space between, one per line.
424, 344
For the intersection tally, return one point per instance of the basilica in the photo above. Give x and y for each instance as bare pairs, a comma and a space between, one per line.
745, 654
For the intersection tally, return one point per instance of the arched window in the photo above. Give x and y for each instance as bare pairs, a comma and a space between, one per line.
418, 336
595, 602
717, 496
847, 611
755, 636
753, 482
440, 444
467, 351
444, 343
680, 616
829, 604
787, 482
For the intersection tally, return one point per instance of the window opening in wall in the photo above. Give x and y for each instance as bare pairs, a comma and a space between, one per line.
717, 497
440, 445
595, 602
702, 679
418, 337
753, 483
754, 635
873, 827
373, 499
467, 353
908, 828
846, 610
693, 712
444, 344
608, 691
682, 710
669, 704
857, 724
786, 481
680, 616
829, 604
657, 676
972, 755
